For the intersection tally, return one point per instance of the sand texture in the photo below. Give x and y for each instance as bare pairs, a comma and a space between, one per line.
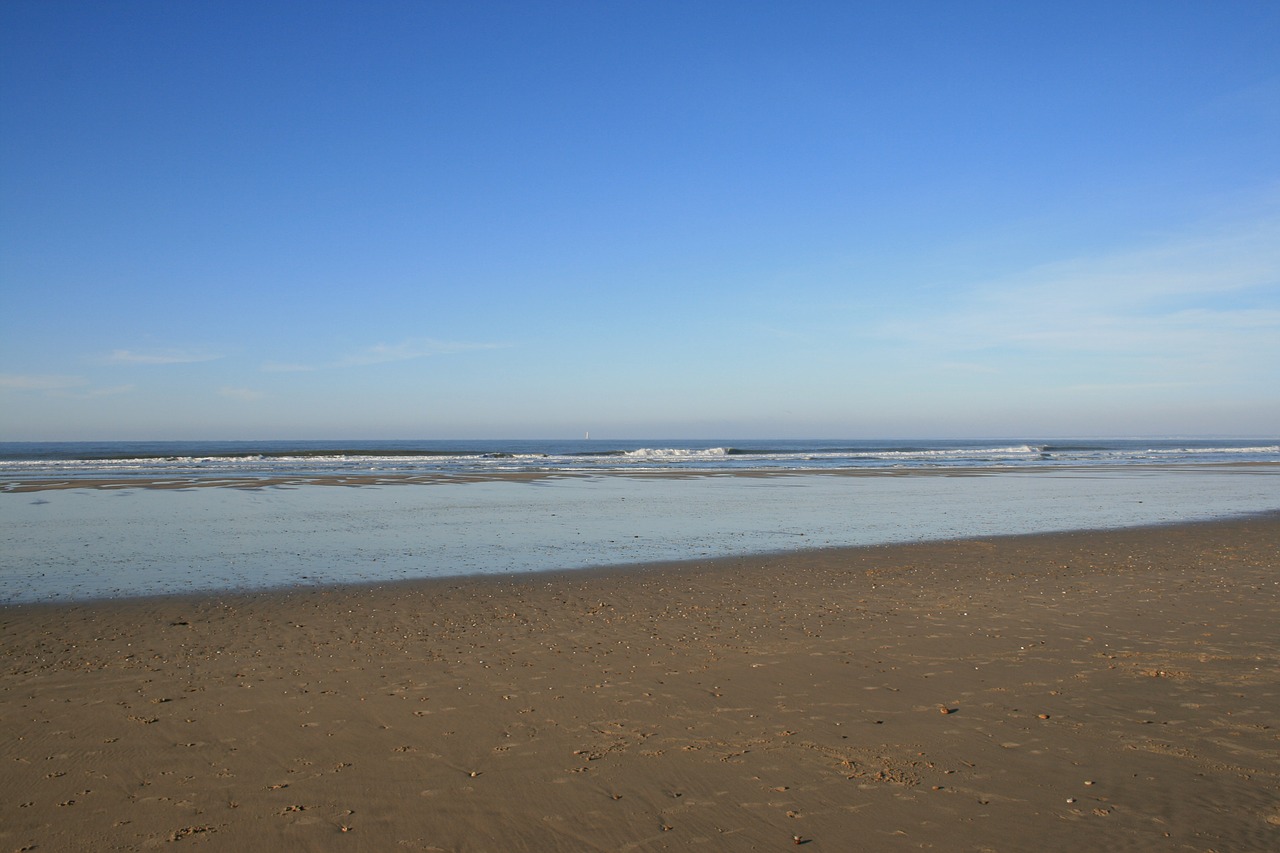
1084, 691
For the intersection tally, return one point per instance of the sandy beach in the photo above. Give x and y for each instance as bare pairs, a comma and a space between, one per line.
1113, 690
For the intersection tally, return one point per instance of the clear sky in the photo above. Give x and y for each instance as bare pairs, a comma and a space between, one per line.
643, 219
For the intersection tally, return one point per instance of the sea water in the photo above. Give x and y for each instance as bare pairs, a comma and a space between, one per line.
125, 537
212, 459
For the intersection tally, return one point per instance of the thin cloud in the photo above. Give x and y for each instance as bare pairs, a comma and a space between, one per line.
284, 367
110, 392
406, 350
91, 393
39, 382
412, 349
72, 387
1211, 298
967, 367
780, 333
1196, 268
243, 394
1092, 387
172, 356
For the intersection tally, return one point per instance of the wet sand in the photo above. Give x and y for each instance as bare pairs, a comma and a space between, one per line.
1111, 690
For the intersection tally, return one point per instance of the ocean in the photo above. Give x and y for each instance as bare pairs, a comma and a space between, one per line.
81, 521
198, 460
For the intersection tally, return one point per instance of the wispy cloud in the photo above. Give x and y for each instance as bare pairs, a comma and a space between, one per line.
39, 382
1125, 386
966, 367
58, 386
170, 356
112, 391
285, 367
243, 394
411, 349
382, 353
1210, 265
93, 393
1199, 304
779, 333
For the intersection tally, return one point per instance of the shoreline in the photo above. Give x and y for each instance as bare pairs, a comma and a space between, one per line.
12, 485
87, 544
604, 572
1103, 689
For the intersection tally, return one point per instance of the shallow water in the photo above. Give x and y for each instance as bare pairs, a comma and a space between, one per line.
86, 543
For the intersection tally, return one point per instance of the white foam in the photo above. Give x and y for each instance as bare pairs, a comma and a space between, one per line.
676, 453
1206, 451
958, 452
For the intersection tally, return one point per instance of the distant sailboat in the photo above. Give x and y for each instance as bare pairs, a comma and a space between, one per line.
587, 437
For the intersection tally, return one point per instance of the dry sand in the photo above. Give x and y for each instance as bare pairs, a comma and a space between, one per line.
1083, 691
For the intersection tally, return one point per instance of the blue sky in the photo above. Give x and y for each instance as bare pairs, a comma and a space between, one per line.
720, 220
